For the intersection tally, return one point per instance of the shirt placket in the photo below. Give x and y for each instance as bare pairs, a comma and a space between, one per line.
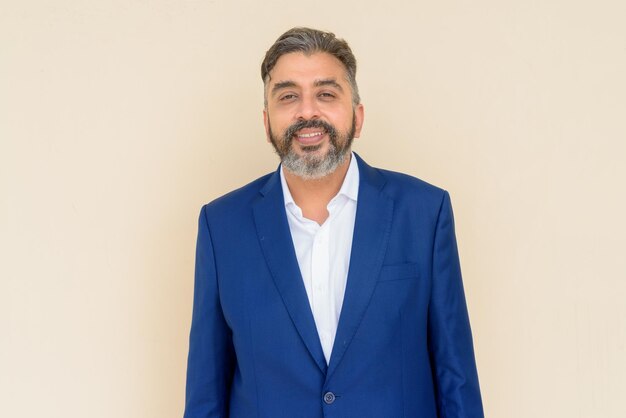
320, 276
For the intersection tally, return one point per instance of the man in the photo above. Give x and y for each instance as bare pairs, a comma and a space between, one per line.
327, 288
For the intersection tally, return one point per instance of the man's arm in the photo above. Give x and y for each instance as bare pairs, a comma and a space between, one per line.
449, 334
211, 357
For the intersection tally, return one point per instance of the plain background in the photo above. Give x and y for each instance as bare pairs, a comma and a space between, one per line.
119, 119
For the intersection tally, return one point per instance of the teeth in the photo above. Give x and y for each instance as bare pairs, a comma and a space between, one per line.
310, 135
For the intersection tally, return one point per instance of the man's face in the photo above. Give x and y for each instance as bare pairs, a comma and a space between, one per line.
310, 118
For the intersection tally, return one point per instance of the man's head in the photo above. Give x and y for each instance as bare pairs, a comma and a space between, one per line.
312, 106
309, 41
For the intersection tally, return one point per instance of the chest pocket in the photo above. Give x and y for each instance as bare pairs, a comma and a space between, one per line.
398, 272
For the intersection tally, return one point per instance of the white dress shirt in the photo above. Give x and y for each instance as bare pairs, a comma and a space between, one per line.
323, 253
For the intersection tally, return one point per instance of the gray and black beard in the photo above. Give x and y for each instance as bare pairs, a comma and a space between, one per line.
311, 166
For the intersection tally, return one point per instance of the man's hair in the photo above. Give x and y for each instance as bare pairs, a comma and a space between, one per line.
309, 41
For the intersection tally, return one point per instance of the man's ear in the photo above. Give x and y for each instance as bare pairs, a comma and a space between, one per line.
359, 116
266, 123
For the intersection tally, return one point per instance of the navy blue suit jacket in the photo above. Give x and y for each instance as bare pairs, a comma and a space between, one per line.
403, 346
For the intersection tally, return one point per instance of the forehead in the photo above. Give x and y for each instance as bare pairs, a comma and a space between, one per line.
301, 68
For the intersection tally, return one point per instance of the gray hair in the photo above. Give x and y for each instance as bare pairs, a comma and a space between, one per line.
309, 41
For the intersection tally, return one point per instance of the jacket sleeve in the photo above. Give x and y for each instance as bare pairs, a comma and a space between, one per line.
210, 362
449, 333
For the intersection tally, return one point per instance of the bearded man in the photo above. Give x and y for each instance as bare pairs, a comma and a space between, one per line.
328, 288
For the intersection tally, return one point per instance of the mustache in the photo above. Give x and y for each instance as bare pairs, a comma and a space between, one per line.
314, 123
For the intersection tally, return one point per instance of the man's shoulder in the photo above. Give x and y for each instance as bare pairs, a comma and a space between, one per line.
238, 199
398, 179
402, 186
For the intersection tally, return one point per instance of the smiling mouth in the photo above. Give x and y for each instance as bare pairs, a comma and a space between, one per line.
310, 135
309, 138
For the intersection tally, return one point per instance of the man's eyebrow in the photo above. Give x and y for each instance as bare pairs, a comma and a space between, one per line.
318, 83
282, 85
328, 82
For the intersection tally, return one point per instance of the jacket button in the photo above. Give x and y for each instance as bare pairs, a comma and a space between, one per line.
329, 397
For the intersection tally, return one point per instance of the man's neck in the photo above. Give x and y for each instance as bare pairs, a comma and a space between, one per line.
313, 196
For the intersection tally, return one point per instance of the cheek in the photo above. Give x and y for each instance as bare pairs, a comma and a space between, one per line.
278, 122
342, 120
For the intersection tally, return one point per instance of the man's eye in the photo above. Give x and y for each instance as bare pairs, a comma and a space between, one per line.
327, 95
287, 97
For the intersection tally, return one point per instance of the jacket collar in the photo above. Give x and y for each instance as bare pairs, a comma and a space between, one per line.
371, 233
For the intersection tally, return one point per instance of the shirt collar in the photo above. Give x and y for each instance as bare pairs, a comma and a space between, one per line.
349, 187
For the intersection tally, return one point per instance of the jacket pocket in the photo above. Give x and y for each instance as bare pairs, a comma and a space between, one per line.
398, 272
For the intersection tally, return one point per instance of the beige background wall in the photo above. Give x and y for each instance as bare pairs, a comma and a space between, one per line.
118, 119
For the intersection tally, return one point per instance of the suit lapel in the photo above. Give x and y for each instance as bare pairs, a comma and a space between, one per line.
371, 234
275, 239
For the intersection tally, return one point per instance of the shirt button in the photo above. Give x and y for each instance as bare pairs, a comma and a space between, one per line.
329, 397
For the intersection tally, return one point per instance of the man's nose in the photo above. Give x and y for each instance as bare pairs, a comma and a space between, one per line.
308, 109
